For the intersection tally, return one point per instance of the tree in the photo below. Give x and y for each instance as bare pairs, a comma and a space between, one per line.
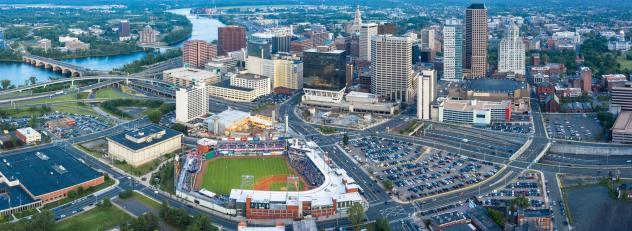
5, 84
145, 222
154, 116
345, 139
356, 215
181, 128
201, 223
427, 223
106, 203
382, 224
388, 184
33, 80
520, 202
126, 194
42, 221
33, 122
72, 194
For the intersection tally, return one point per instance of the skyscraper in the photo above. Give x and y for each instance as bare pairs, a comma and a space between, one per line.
428, 39
511, 57
123, 30
196, 53
230, 38
391, 67
426, 92
324, 69
453, 50
357, 21
367, 31
476, 40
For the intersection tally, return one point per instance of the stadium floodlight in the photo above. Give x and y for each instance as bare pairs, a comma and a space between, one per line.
247, 182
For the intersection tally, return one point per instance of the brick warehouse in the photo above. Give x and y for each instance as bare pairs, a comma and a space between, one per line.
39, 176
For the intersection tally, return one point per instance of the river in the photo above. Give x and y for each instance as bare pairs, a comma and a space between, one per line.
18, 73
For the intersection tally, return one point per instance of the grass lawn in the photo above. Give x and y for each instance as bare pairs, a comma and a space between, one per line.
146, 201
625, 64
140, 170
99, 218
224, 174
111, 93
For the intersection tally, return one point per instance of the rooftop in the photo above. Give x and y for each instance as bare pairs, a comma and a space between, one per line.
13, 196
493, 85
471, 105
623, 124
251, 76
45, 170
190, 74
226, 84
477, 6
230, 116
123, 138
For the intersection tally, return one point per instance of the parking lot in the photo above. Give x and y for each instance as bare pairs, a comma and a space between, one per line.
67, 125
581, 127
418, 171
523, 128
529, 185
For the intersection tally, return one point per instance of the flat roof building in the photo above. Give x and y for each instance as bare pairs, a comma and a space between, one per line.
324, 69
191, 103
474, 111
622, 128
145, 144
28, 135
622, 96
44, 174
185, 77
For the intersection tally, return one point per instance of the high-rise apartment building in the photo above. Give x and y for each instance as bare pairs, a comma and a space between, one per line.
511, 57
148, 35
476, 41
288, 73
196, 53
586, 79
391, 67
191, 102
367, 31
230, 38
124, 30
453, 50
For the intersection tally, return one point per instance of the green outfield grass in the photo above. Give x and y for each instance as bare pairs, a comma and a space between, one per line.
224, 174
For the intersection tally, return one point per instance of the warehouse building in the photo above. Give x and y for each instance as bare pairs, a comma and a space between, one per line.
143, 145
29, 179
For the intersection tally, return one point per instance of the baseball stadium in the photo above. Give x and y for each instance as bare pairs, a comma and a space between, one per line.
263, 179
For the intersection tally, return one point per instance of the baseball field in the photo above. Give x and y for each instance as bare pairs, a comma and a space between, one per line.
223, 174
